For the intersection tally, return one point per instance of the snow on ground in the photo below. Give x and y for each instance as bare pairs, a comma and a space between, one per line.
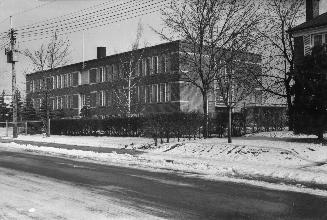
108, 142
270, 156
26, 196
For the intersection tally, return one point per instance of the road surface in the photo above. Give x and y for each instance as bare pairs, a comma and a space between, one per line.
170, 196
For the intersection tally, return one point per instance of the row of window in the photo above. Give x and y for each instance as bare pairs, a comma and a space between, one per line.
155, 93
142, 67
59, 102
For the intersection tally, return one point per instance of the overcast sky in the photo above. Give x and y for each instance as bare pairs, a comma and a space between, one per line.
116, 37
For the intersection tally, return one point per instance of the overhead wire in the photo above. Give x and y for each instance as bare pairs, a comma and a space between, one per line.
69, 14
71, 20
85, 24
100, 25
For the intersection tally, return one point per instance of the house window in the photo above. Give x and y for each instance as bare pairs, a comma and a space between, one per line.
317, 40
155, 65
93, 75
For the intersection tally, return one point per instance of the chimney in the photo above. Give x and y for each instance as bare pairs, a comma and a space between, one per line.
101, 52
312, 9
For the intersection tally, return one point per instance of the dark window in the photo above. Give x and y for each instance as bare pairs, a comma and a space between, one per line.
93, 75
317, 40
75, 78
148, 66
75, 101
140, 68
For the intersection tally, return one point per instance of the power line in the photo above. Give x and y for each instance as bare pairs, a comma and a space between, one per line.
100, 25
67, 15
27, 10
135, 12
70, 20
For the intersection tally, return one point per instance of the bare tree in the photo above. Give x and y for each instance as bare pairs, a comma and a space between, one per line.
51, 55
48, 57
277, 47
126, 92
209, 30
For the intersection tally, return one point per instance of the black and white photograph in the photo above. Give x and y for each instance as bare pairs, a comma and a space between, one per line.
163, 109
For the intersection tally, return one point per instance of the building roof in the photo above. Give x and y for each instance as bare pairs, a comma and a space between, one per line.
318, 21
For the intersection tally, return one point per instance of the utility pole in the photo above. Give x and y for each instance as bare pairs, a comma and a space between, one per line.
11, 58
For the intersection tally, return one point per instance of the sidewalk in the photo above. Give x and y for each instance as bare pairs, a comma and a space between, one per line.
73, 147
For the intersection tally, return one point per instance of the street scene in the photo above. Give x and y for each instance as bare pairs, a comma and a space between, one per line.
163, 109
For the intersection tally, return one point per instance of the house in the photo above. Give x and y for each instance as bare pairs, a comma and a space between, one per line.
143, 81
312, 32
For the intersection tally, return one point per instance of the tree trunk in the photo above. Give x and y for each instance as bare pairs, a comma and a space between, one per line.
205, 115
229, 124
289, 107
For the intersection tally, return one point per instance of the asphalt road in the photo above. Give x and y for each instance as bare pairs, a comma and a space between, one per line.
172, 196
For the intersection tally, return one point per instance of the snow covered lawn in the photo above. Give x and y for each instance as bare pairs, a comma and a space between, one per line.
278, 157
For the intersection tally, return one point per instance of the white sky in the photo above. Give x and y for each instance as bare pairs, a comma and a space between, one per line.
116, 37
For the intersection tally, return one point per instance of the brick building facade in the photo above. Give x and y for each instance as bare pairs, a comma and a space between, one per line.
144, 81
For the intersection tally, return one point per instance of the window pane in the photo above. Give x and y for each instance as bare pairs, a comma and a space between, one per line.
317, 40
93, 75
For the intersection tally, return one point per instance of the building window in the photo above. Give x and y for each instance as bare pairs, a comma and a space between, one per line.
154, 98
100, 75
168, 93
148, 66
93, 75
155, 65
164, 61
109, 73
93, 99
85, 79
65, 80
140, 68
75, 102
69, 80
317, 40
162, 95
83, 100
74, 79
59, 81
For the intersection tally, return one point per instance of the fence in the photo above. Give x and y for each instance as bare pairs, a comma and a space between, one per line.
23, 127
